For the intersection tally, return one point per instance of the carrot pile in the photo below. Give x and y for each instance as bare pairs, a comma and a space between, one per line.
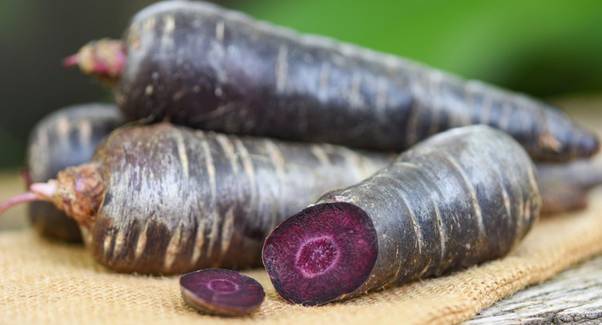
342, 169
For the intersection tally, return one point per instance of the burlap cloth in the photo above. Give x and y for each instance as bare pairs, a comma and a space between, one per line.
50, 283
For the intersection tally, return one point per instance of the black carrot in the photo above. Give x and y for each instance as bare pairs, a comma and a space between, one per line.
163, 199
457, 199
65, 138
199, 65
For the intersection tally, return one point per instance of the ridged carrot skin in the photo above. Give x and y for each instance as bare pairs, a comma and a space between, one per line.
165, 200
67, 137
459, 198
199, 65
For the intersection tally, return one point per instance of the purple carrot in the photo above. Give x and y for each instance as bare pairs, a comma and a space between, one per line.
221, 292
162, 199
459, 198
65, 138
196, 64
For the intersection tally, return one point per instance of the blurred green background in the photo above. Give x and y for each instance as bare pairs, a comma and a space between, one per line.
549, 49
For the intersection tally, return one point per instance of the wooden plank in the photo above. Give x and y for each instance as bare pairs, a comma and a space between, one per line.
573, 297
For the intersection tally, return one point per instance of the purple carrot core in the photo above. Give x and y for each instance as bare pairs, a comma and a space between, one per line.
222, 286
316, 256
221, 292
322, 253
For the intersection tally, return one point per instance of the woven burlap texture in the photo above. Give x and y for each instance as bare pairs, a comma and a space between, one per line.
50, 283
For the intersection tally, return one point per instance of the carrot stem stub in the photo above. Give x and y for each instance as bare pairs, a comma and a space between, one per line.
221, 292
322, 245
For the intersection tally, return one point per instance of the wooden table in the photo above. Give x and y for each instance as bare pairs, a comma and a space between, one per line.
574, 296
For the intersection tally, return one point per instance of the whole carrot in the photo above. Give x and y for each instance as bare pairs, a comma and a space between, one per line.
67, 137
163, 200
199, 65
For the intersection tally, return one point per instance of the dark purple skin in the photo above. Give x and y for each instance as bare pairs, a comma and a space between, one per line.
565, 187
221, 292
458, 199
161, 199
195, 64
65, 138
